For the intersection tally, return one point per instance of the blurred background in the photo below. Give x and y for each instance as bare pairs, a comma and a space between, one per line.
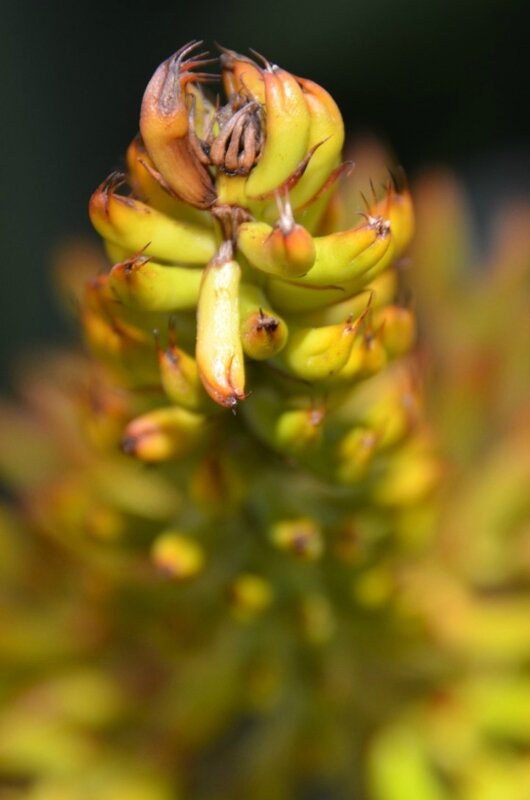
443, 82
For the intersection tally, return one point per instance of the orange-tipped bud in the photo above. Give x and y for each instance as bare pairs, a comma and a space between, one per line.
163, 434
326, 138
180, 375
350, 254
286, 250
293, 245
287, 124
316, 354
144, 285
165, 129
137, 227
263, 333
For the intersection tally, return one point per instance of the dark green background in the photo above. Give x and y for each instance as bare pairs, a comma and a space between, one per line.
445, 82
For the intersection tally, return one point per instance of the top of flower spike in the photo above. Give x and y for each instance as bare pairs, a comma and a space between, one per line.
275, 131
263, 166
